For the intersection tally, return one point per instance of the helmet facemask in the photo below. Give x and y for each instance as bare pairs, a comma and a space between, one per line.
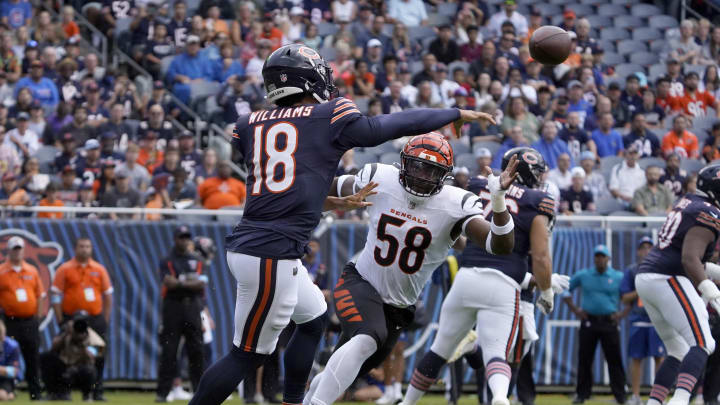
422, 177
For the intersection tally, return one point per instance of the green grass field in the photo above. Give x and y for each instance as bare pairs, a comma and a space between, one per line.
133, 398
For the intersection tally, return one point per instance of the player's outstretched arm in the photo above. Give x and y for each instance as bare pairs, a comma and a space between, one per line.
373, 131
341, 196
542, 262
693, 250
497, 236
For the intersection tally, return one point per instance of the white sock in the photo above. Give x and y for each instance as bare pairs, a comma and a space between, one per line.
313, 386
498, 378
412, 395
398, 388
342, 369
681, 397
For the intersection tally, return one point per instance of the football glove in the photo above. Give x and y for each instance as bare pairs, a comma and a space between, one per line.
559, 283
713, 271
710, 294
546, 301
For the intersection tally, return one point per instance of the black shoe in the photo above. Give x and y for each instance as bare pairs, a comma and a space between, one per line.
99, 397
60, 397
86, 397
578, 400
712, 403
161, 399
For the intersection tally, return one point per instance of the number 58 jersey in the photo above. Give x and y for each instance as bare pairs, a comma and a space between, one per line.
666, 257
407, 241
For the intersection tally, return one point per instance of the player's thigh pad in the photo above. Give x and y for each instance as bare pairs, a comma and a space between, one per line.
676, 310
359, 307
266, 298
310, 301
457, 317
498, 323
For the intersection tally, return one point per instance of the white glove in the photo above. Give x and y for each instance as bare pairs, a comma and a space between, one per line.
497, 194
710, 294
713, 271
559, 283
546, 301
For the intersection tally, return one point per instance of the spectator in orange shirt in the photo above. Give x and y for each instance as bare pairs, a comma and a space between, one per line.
149, 155
22, 298
361, 80
11, 194
51, 200
680, 141
693, 102
82, 284
214, 24
69, 25
269, 31
223, 190
711, 149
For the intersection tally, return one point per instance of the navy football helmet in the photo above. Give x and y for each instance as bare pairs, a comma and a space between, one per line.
296, 69
708, 182
531, 165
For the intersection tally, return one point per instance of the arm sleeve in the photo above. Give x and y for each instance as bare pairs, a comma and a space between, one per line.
364, 176
372, 131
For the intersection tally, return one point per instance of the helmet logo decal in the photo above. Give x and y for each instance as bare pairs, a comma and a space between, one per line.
308, 52
283, 77
530, 158
427, 156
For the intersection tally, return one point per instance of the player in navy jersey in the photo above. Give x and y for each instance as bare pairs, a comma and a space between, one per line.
292, 153
668, 282
487, 288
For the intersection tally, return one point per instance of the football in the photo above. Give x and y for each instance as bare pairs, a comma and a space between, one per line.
550, 45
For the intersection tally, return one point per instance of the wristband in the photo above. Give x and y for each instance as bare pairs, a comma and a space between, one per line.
502, 230
712, 270
497, 201
488, 243
340, 182
10, 371
526, 281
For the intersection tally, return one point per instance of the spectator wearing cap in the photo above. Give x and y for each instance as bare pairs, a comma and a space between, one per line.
653, 198
149, 154
443, 89
9, 63
180, 187
691, 101
576, 198
223, 190
508, 13
558, 111
83, 284
51, 200
576, 138
599, 313
68, 155
394, 101
296, 26
235, 99
116, 126
514, 139
189, 67
37, 122
374, 56
608, 141
679, 140
594, 181
444, 47
16, 13
10, 160
69, 186
79, 126
484, 159
427, 73
578, 102
89, 166
517, 114
190, 157
644, 340
684, 49
619, 110
26, 141
11, 194
97, 114
30, 52
179, 24
561, 175
123, 195
160, 46
183, 286
461, 102
410, 12
42, 88
156, 123
86, 199
626, 177
138, 174
646, 142
22, 298
654, 114
569, 20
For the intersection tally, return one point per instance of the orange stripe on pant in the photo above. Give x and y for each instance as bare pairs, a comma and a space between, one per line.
516, 320
263, 302
689, 311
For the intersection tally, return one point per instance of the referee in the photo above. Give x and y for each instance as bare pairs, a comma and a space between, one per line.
183, 285
22, 297
599, 316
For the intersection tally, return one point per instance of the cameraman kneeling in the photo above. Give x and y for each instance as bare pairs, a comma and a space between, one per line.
71, 359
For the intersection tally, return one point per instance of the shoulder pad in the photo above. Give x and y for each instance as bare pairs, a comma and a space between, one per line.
344, 110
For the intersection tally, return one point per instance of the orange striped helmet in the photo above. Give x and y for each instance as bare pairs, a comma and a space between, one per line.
425, 162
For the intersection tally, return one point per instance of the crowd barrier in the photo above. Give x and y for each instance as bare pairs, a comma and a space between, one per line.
131, 251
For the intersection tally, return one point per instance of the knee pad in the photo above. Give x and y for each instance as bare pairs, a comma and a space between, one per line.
315, 327
365, 345
677, 347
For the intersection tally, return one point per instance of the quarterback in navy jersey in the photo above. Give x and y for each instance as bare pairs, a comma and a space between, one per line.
292, 152
674, 286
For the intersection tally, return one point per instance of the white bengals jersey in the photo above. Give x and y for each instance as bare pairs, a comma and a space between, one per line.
406, 242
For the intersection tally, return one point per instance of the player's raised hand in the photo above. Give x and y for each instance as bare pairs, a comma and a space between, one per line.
470, 116
510, 174
355, 201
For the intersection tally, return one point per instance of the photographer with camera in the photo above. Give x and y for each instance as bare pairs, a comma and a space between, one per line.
71, 359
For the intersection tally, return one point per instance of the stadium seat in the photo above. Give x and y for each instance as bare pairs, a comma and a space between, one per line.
363, 158
593, 2
644, 58
326, 28
467, 160
459, 148
607, 205
599, 21
645, 10
221, 146
652, 161
46, 156
420, 32
626, 69
458, 64
612, 10
547, 10
362, 103
701, 134
646, 34
612, 58
614, 34
699, 69
202, 89
662, 22
437, 20
656, 70
628, 21
691, 165
448, 9
608, 46
629, 46
658, 46
493, 147
389, 158
704, 122
582, 10
623, 1
328, 53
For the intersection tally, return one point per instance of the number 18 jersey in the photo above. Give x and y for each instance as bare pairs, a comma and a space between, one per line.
406, 242
666, 257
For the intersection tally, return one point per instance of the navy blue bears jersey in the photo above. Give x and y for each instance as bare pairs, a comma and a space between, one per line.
666, 257
292, 154
524, 204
